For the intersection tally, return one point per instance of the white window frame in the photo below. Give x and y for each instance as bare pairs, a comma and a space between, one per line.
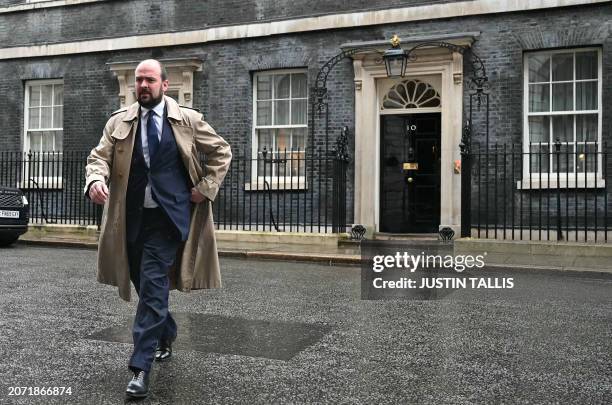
275, 182
536, 180
44, 182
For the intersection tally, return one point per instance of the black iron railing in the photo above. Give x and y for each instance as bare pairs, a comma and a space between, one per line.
555, 191
53, 183
284, 190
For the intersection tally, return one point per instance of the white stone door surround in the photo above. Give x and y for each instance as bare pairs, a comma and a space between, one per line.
446, 68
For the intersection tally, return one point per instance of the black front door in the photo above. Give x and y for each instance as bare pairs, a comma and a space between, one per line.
410, 173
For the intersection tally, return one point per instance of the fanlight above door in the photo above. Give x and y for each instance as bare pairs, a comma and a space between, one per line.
411, 94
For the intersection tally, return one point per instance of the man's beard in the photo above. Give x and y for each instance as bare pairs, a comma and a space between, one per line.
152, 101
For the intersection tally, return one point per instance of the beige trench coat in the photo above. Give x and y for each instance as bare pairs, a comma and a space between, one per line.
197, 263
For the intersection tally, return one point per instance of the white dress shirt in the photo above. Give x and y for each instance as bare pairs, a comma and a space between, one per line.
144, 114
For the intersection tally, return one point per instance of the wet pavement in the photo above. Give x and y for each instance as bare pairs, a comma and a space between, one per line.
282, 332
232, 335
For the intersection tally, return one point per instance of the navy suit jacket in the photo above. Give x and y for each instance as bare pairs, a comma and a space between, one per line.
170, 184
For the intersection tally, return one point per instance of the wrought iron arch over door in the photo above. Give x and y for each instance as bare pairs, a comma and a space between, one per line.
478, 83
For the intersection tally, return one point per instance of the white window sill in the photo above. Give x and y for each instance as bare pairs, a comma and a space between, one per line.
295, 184
571, 183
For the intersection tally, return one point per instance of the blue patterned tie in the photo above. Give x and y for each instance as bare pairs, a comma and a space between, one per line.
152, 136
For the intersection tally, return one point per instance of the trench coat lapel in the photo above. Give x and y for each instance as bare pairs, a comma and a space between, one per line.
183, 134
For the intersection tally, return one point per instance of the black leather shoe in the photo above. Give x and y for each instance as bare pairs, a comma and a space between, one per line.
164, 350
139, 386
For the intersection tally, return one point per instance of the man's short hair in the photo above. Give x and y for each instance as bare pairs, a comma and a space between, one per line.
164, 72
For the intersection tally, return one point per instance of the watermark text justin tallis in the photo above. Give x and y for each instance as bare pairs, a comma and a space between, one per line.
458, 263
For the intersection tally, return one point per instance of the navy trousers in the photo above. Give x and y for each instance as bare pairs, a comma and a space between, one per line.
150, 257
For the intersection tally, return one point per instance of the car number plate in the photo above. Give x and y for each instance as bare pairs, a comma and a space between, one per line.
9, 214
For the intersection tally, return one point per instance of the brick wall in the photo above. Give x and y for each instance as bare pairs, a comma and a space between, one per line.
223, 89
7, 3
134, 17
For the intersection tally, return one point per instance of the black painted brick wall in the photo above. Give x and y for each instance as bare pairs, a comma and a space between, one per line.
115, 18
223, 90
8, 3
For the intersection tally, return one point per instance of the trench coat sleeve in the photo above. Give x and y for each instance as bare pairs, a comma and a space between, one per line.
218, 157
100, 159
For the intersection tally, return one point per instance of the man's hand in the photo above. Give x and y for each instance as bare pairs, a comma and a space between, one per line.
196, 196
98, 192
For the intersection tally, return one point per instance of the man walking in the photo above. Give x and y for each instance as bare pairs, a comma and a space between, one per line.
157, 228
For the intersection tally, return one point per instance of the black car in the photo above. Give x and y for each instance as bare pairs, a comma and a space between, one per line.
14, 215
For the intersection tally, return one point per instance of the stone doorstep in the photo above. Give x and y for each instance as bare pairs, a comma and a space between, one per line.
569, 256
242, 244
320, 239
90, 233
63, 230
327, 258
245, 243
